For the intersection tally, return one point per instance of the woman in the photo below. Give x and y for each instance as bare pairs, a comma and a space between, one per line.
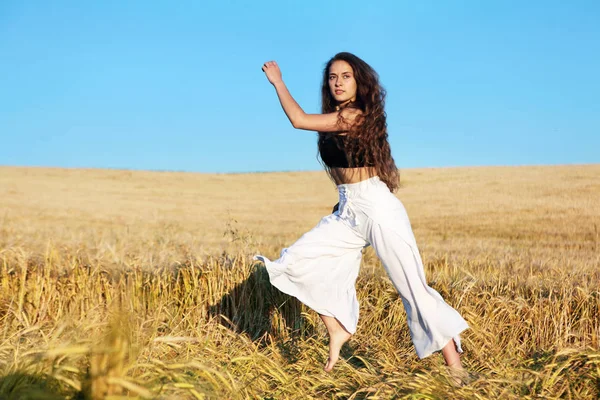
320, 269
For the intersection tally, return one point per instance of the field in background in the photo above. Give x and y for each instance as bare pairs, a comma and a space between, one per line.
116, 282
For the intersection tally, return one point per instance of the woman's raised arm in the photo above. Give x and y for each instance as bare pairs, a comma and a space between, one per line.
330, 122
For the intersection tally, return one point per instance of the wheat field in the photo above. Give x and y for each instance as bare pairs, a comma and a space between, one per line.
134, 284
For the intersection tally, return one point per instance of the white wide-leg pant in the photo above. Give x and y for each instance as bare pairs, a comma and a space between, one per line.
320, 268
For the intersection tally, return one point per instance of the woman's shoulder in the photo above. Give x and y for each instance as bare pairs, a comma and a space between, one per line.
351, 115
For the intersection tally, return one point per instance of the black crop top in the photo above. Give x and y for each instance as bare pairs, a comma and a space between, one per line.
332, 149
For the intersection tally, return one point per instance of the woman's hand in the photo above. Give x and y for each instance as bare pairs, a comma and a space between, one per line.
272, 71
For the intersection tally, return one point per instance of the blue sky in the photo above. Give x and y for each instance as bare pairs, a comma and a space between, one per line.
178, 86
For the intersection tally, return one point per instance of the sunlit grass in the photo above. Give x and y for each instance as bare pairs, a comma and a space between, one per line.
118, 283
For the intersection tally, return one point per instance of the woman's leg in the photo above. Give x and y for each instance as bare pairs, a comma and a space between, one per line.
451, 356
459, 375
320, 270
338, 335
434, 325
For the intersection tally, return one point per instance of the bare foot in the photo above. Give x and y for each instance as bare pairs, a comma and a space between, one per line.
338, 335
336, 341
459, 376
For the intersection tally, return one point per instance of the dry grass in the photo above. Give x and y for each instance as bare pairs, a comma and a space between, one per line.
122, 283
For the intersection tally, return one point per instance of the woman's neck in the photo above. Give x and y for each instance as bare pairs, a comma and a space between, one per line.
344, 104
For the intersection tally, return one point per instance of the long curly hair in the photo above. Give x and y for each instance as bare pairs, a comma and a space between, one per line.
366, 144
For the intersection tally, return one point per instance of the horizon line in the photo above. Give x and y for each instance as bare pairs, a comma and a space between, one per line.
281, 171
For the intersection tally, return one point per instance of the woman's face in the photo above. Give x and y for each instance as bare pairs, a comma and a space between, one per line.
341, 82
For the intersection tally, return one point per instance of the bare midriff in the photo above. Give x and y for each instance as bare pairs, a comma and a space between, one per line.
352, 175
